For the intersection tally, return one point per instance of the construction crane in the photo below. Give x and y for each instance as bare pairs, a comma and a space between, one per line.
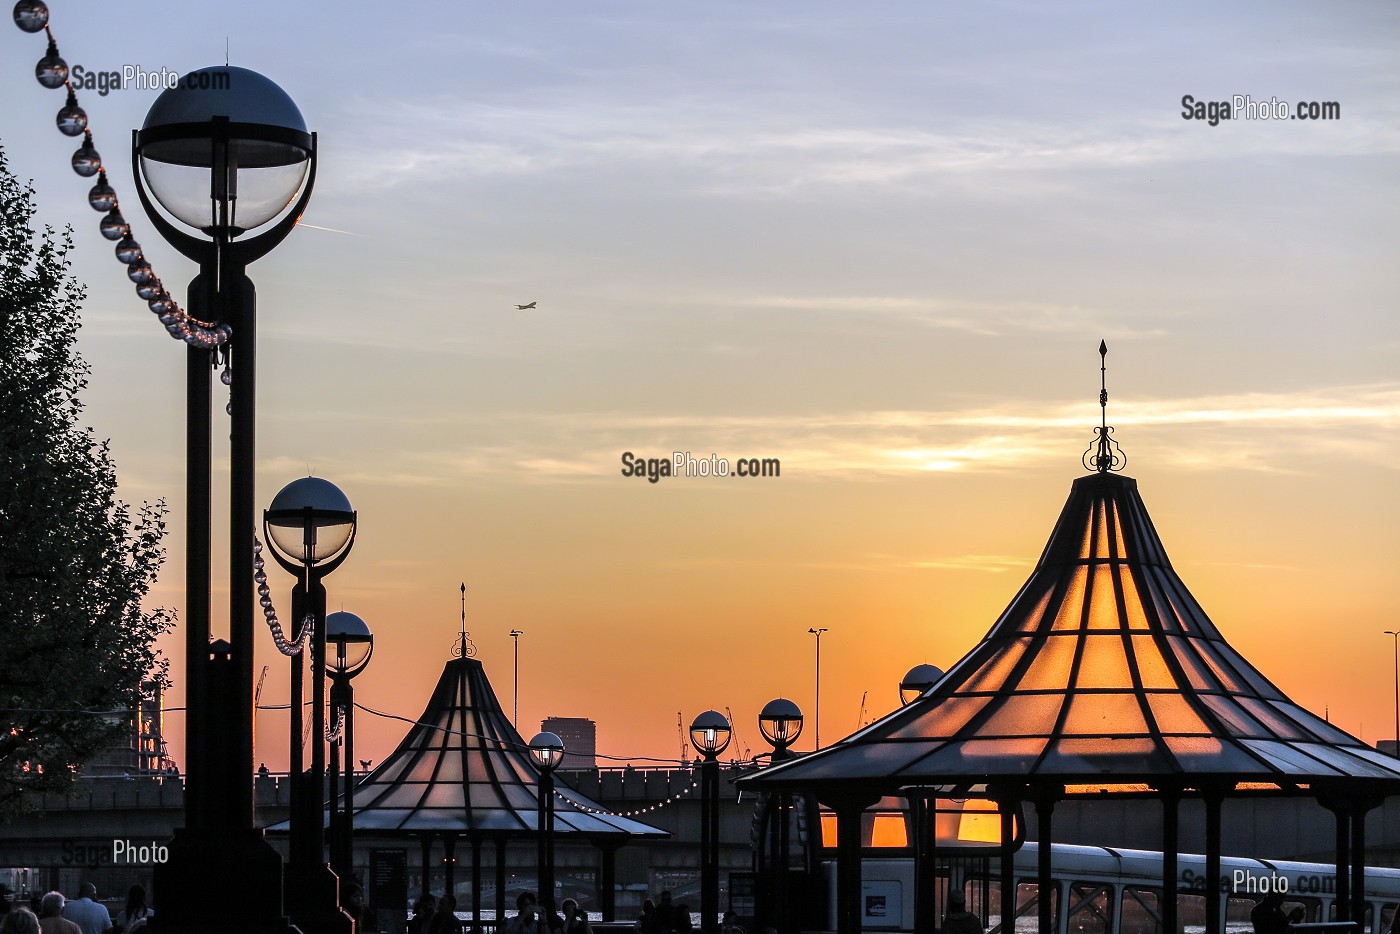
680, 734
860, 717
257, 694
738, 740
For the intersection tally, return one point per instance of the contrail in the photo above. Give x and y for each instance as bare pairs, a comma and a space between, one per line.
348, 233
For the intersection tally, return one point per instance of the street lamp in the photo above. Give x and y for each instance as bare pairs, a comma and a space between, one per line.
1395, 638
547, 751
818, 634
225, 151
709, 734
351, 644
918, 680
310, 528
780, 722
515, 691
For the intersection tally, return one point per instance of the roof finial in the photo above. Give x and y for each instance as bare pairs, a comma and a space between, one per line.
1104, 454
464, 648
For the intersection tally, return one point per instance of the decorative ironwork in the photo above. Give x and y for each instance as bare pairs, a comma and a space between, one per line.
1104, 454
464, 647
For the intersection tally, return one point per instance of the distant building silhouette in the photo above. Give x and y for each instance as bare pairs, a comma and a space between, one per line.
580, 736
140, 750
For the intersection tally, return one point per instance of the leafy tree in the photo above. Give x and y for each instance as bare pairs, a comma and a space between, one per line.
75, 562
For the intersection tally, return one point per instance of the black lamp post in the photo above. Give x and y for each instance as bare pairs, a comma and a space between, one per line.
818, 634
709, 734
351, 645
547, 751
310, 527
780, 722
224, 152
918, 680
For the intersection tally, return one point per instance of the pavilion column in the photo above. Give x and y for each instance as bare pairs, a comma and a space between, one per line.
1171, 801
500, 883
1212, 799
476, 883
922, 828
1008, 807
449, 864
1340, 807
1361, 806
848, 808
1045, 880
607, 879
427, 844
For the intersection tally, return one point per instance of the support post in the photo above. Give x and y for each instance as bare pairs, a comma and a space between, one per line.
1171, 802
1212, 798
1045, 880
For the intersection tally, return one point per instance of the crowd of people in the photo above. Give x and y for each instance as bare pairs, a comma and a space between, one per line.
52, 913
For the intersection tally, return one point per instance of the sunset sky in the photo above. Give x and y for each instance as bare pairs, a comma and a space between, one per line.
880, 242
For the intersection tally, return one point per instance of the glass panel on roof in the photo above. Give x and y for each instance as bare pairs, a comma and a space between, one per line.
1071, 612
1103, 600
1132, 601
1166, 616
1207, 754
1343, 761
1286, 759
946, 719
1197, 672
1222, 673
1024, 715
1275, 722
451, 770
1086, 545
443, 796
1100, 532
883, 758
1122, 551
423, 769
1313, 723
1151, 667
1236, 721
404, 796
1105, 663
483, 795
993, 673
1174, 714
1050, 670
391, 772
1249, 673
1032, 620
1105, 754
1377, 757
1105, 714
983, 756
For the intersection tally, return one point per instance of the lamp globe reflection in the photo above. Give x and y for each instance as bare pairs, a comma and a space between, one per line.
709, 733
547, 751
919, 679
310, 522
352, 642
225, 150
780, 721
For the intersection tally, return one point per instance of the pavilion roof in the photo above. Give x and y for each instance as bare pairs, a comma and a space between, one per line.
463, 768
1103, 667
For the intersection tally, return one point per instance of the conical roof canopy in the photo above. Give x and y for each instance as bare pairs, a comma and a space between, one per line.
1103, 668
463, 768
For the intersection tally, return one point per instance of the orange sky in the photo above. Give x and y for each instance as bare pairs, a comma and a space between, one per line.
882, 247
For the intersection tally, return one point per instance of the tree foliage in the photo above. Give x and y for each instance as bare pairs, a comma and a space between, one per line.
75, 562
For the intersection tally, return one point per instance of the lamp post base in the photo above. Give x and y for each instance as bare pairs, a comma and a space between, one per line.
313, 900
203, 867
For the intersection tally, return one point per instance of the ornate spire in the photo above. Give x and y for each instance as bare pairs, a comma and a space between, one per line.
1104, 454
464, 647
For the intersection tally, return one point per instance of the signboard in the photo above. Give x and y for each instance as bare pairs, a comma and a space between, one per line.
742, 886
881, 905
388, 879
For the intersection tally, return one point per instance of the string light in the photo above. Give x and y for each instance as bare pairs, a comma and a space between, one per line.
646, 810
270, 613
32, 16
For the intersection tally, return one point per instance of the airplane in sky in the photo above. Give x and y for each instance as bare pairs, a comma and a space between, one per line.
525, 307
